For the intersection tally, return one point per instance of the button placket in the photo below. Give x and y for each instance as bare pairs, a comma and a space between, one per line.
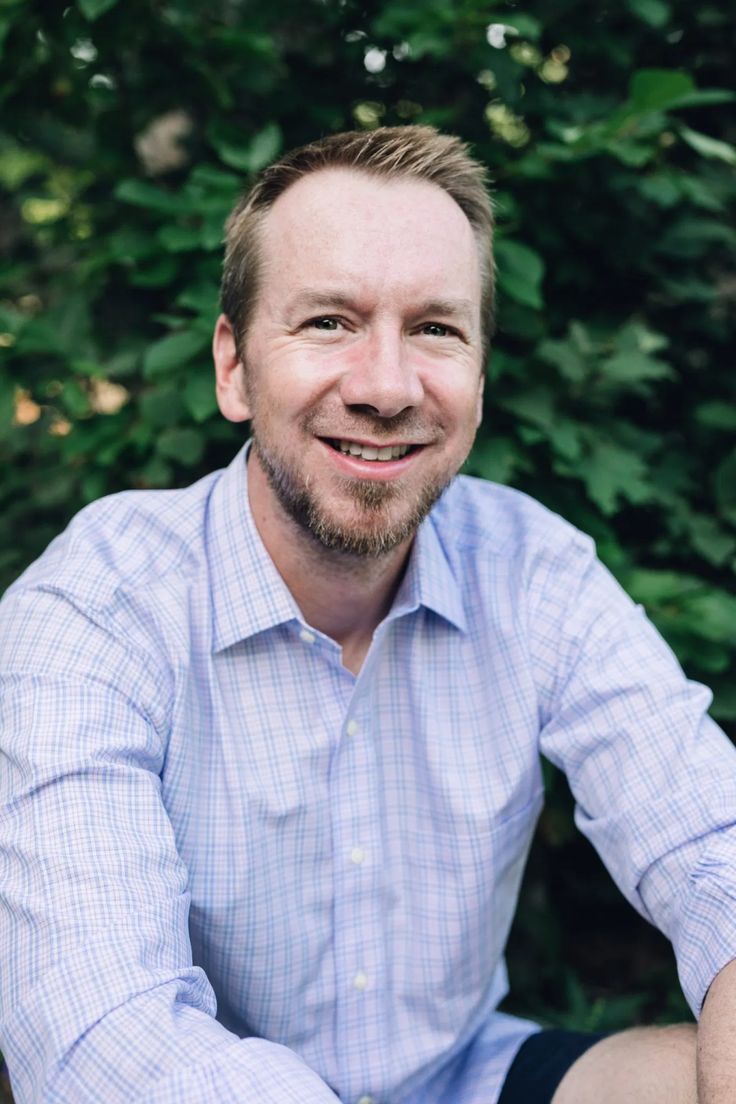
358, 902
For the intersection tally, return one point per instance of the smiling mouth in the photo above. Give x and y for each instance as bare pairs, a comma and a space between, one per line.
370, 452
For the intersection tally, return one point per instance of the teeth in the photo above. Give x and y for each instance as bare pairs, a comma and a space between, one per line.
370, 452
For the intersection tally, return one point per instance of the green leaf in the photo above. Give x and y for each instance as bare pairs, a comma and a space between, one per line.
653, 588
496, 459
56, 489
140, 193
74, 399
566, 439
661, 189
520, 272
705, 97
203, 299
129, 244
172, 352
700, 193
635, 367
179, 239
533, 404
158, 274
265, 146
692, 237
62, 330
93, 9
241, 151
199, 395
631, 153
654, 12
213, 232
161, 407
710, 540
213, 179
186, 446
611, 473
565, 357
716, 415
17, 164
636, 337
658, 89
156, 473
707, 146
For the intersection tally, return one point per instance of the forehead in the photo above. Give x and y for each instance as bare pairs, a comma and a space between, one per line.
395, 236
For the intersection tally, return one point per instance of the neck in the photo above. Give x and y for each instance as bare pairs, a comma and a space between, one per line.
342, 595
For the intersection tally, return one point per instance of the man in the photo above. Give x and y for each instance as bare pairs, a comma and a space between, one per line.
272, 742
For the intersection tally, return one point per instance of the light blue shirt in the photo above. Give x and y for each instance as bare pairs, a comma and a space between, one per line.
231, 871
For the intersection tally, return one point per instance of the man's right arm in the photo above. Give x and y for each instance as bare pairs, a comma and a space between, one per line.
99, 998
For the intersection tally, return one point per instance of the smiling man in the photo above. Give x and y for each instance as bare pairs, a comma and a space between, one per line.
272, 743
360, 371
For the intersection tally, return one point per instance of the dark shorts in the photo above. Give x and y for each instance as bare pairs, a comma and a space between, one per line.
541, 1063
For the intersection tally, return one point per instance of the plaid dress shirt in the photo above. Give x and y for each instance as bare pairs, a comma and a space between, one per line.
231, 871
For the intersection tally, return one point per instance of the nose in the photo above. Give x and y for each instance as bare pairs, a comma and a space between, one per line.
382, 377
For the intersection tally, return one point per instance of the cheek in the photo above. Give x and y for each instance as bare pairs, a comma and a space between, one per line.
463, 405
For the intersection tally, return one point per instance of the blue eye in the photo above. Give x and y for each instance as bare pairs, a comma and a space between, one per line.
325, 323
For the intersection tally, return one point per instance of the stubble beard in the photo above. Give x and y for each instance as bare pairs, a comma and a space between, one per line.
372, 534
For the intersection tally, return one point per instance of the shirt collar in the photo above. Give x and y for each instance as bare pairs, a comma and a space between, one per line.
431, 578
248, 594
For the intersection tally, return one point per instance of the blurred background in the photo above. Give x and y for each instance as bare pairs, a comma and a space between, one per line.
129, 129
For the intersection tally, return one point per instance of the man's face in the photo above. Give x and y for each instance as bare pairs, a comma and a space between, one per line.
362, 363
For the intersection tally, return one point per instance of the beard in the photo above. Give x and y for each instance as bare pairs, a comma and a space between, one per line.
372, 532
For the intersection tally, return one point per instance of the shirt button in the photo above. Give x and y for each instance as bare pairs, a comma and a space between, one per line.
366, 1100
360, 981
307, 637
351, 728
357, 855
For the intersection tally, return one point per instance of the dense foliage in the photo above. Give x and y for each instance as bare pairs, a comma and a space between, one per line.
130, 128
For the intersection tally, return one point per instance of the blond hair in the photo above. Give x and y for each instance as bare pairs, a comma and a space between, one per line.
417, 152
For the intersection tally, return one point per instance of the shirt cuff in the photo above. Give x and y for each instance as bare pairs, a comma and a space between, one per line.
705, 937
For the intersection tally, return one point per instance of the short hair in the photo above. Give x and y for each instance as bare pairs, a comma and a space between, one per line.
414, 152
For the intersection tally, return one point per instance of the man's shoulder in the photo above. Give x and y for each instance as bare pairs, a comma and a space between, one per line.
131, 541
478, 515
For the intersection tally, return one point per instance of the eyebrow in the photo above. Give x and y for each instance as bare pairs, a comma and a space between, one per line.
452, 308
309, 299
448, 308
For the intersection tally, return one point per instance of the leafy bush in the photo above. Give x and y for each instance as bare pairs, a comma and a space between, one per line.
129, 130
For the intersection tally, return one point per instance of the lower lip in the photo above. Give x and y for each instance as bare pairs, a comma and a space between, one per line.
370, 469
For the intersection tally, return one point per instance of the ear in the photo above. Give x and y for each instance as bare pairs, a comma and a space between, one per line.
229, 373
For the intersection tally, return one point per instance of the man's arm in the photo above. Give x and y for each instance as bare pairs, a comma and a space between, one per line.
716, 1036
653, 776
99, 998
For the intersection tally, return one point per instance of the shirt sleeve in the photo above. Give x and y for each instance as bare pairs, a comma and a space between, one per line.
654, 778
99, 997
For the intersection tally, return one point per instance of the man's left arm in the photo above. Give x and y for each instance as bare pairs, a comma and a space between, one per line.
653, 776
716, 1036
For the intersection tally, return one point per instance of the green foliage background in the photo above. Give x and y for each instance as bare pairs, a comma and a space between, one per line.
611, 388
